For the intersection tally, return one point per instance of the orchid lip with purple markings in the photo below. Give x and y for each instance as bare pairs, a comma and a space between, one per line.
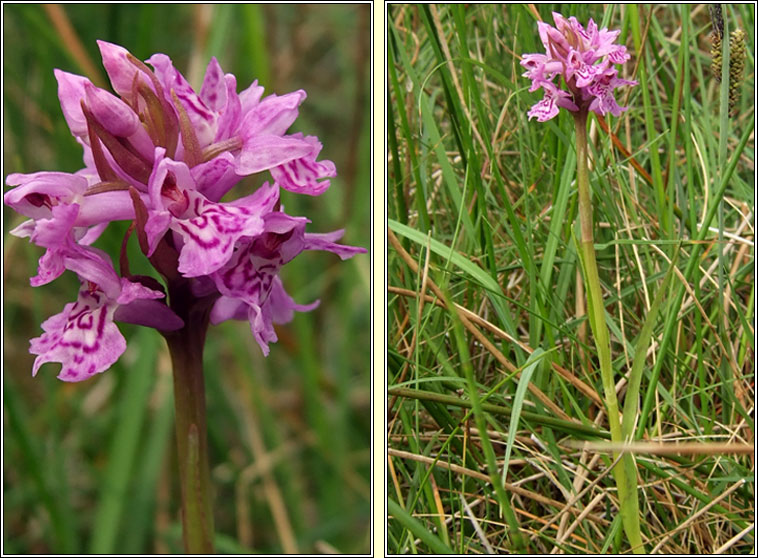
583, 60
162, 156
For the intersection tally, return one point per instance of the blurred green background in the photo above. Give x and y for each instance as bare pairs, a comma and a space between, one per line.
90, 467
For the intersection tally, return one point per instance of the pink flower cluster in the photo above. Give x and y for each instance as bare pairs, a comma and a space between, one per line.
584, 59
162, 156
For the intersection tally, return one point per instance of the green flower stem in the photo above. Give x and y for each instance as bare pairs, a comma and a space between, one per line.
625, 473
186, 349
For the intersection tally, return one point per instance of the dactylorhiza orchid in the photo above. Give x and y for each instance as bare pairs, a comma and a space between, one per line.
584, 60
162, 156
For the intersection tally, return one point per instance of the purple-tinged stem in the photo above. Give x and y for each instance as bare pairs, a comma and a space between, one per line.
186, 348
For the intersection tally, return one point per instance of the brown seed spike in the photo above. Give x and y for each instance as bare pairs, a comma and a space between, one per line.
736, 65
717, 21
716, 56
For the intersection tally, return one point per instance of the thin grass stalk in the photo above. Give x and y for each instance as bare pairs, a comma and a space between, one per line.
417, 528
724, 370
631, 399
692, 264
625, 474
656, 171
481, 423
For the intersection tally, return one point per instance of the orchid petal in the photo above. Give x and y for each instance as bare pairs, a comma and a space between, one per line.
71, 90
230, 115
250, 97
202, 118
149, 313
304, 175
228, 308
35, 194
325, 241
120, 71
213, 91
215, 177
210, 237
83, 338
283, 306
265, 152
273, 115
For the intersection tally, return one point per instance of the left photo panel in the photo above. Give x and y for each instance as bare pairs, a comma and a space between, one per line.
187, 279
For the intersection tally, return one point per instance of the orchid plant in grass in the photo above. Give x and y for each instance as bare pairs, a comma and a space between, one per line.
578, 73
162, 156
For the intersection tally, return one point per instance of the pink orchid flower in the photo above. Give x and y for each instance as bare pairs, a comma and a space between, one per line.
583, 60
163, 156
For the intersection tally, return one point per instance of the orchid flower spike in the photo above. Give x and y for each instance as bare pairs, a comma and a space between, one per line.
162, 156
583, 61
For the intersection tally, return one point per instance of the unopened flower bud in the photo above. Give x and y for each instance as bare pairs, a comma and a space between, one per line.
111, 112
120, 71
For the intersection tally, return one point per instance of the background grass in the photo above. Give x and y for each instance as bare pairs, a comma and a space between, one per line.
90, 467
483, 203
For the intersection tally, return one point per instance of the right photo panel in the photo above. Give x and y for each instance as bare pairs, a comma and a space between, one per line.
570, 268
